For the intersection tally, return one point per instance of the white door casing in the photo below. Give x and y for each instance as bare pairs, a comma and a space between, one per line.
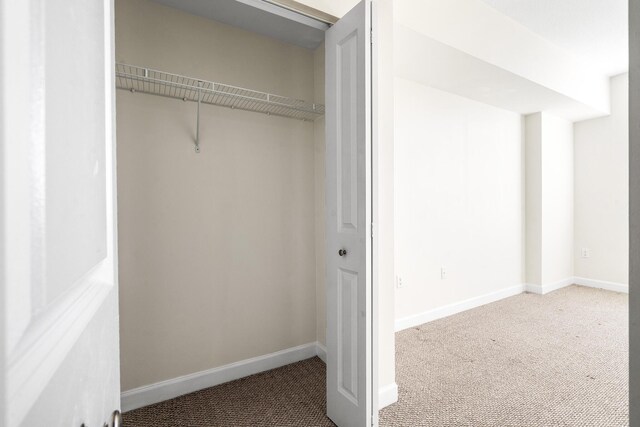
58, 213
348, 218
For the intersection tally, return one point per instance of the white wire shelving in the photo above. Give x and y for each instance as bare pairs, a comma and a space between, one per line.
154, 82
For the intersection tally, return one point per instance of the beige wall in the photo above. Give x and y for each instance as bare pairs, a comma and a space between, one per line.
601, 153
319, 156
217, 249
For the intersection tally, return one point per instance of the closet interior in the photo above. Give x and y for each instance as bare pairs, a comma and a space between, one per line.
220, 168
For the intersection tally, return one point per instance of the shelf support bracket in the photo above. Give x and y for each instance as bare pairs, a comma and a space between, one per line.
198, 118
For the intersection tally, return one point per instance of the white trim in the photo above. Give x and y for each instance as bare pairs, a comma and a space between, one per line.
387, 395
448, 310
321, 351
164, 390
602, 284
549, 287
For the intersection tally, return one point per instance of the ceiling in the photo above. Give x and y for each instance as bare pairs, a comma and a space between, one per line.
596, 30
436, 64
259, 17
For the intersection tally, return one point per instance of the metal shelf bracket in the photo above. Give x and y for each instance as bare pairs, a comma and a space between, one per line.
198, 117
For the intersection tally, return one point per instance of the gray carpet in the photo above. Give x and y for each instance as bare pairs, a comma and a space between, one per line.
555, 360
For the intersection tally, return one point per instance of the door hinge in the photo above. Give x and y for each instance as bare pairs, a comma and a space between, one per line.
371, 35
372, 230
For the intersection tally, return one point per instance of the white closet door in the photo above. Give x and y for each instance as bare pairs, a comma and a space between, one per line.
348, 218
60, 305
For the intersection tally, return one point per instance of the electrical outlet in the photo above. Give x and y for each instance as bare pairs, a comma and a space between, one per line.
443, 273
399, 282
585, 253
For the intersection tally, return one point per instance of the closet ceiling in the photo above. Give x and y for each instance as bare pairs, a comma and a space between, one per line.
259, 17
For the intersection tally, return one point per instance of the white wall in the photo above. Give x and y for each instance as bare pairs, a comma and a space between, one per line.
557, 193
601, 154
217, 249
549, 200
384, 182
459, 198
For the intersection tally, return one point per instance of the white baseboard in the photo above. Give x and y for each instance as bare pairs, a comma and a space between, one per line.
455, 308
321, 352
548, 287
592, 283
388, 395
169, 389
164, 390
601, 284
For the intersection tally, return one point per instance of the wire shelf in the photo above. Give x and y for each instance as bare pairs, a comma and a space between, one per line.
147, 80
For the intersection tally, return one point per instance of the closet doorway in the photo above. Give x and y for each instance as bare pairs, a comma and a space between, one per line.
245, 197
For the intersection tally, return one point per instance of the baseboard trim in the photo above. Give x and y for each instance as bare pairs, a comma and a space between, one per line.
602, 284
549, 287
455, 308
164, 390
169, 389
321, 352
387, 395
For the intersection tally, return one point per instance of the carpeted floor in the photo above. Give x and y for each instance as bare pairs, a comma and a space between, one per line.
294, 395
555, 360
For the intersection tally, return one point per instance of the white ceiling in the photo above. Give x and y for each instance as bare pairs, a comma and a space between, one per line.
259, 17
596, 30
432, 63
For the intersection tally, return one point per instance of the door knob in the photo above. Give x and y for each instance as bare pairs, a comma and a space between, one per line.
116, 420
342, 252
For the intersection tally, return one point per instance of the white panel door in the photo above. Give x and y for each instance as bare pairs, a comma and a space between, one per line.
59, 269
348, 218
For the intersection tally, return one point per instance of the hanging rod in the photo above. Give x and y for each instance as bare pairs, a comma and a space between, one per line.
154, 82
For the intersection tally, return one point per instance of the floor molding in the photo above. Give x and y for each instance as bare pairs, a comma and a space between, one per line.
602, 284
387, 395
549, 287
169, 389
164, 390
455, 308
321, 352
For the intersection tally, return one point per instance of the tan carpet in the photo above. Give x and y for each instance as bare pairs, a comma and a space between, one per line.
527, 361
294, 395
555, 360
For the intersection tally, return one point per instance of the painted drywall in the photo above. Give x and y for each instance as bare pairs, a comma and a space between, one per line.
384, 183
557, 193
217, 249
473, 27
433, 63
601, 159
319, 191
533, 198
459, 198
549, 199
